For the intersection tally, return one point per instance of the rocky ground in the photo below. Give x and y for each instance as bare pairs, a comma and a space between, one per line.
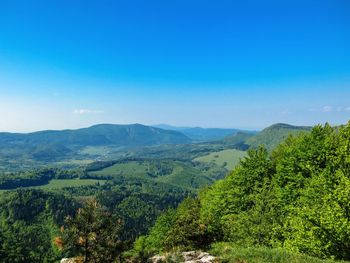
186, 257
176, 257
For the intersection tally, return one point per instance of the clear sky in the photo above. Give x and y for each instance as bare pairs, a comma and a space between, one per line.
244, 64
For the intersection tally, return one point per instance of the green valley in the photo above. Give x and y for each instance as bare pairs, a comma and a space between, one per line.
144, 187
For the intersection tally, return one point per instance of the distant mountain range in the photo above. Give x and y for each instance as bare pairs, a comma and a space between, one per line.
199, 134
46, 145
102, 134
110, 140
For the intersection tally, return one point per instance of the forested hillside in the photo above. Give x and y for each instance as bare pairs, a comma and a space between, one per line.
106, 142
102, 134
292, 199
32, 220
296, 198
53, 146
273, 135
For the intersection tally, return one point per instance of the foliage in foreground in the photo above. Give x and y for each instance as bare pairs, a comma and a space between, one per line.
234, 254
92, 234
29, 221
297, 198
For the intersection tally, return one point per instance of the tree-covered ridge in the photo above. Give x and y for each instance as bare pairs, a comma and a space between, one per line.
238, 140
273, 135
73, 148
102, 134
296, 198
50, 146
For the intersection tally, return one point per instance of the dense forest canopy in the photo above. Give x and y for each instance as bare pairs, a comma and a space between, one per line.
296, 198
31, 219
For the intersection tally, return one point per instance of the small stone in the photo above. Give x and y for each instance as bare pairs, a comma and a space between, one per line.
198, 257
207, 259
158, 259
189, 255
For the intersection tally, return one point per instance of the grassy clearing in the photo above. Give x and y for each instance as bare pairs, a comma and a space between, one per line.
186, 177
132, 168
226, 158
61, 183
171, 172
231, 254
74, 162
96, 150
55, 184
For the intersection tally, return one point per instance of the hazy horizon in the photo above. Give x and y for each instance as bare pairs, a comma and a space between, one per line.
167, 124
184, 63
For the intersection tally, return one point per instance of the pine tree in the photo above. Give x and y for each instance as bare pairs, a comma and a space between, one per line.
93, 234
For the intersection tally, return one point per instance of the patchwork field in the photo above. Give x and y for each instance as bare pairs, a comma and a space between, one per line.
61, 183
226, 158
131, 168
182, 174
55, 184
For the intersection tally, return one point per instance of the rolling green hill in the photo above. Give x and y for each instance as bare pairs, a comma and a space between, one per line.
102, 134
226, 158
273, 135
183, 174
237, 140
56, 145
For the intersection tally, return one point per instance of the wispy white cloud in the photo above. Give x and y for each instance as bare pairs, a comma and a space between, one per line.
86, 111
327, 108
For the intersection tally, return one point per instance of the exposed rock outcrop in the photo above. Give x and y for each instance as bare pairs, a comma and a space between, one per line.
188, 257
198, 257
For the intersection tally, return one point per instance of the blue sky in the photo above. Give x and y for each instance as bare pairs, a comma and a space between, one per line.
245, 64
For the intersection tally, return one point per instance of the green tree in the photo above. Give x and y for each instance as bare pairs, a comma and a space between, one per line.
318, 222
28, 224
187, 231
154, 242
92, 234
238, 208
